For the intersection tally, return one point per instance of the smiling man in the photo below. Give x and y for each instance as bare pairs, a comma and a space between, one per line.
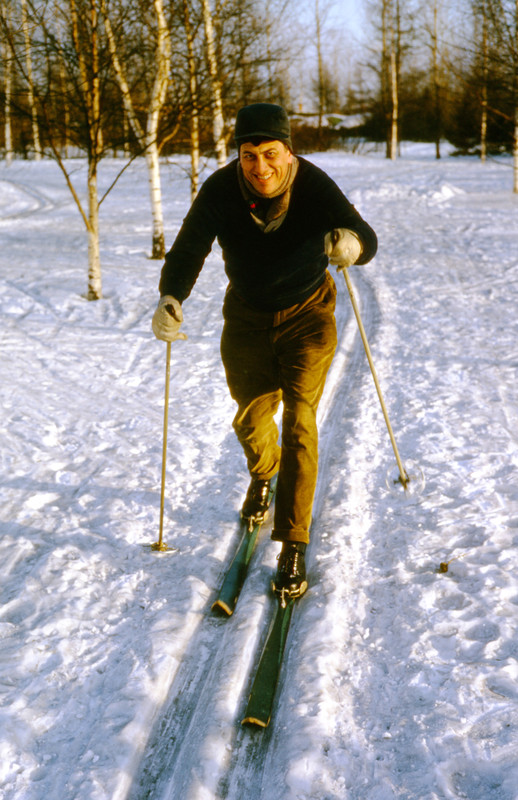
280, 221
266, 166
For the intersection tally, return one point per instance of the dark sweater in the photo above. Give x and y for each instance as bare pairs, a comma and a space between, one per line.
270, 271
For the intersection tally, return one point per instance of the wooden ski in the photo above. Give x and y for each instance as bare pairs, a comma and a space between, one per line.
260, 703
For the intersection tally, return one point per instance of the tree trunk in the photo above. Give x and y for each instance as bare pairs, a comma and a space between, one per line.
218, 121
92, 98
94, 259
436, 82
8, 82
385, 71
394, 96
66, 110
155, 190
193, 90
515, 92
484, 88
30, 82
320, 65
158, 97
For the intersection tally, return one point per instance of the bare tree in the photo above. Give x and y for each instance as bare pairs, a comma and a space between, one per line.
402, 70
70, 35
386, 23
436, 81
484, 88
502, 21
394, 38
218, 120
147, 137
30, 80
8, 86
433, 25
194, 98
320, 67
389, 71
91, 96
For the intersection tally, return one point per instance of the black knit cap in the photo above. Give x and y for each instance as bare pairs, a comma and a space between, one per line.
264, 121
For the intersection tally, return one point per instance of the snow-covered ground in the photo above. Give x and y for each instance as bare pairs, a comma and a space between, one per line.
400, 681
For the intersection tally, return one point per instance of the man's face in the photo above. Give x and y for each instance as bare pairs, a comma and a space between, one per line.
265, 165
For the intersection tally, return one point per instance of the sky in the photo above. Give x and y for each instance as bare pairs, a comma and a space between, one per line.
343, 27
350, 13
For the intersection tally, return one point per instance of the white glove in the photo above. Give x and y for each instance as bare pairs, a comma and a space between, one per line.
343, 247
167, 319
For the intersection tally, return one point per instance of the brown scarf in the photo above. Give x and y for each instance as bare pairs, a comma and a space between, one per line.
270, 214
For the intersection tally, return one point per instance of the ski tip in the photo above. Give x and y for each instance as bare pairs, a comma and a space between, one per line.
222, 607
256, 722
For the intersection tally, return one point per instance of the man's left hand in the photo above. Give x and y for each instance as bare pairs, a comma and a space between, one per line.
343, 247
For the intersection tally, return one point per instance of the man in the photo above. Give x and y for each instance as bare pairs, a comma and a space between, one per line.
279, 220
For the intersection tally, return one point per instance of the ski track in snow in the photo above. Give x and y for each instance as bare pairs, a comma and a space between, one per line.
399, 681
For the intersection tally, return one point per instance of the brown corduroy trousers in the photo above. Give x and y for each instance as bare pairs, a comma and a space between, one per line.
271, 357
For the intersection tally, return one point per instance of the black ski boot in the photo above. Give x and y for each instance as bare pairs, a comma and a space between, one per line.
257, 500
290, 580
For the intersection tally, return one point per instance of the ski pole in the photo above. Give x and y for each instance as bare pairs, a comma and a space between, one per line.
160, 545
403, 477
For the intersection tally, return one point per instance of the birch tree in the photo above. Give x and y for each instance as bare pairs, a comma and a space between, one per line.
218, 120
70, 34
395, 51
66, 108
434, 24
484, 88
91, 96
436, 81
389, 72
8, 85
320, 67
194, 99
393, 31
147, 137
30, 80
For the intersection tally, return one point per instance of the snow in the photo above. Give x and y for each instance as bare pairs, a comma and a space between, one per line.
400, 680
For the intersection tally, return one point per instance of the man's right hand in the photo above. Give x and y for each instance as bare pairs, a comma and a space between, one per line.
167, 319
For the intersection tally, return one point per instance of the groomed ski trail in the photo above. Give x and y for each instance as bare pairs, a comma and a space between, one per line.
198, 748
400, 681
